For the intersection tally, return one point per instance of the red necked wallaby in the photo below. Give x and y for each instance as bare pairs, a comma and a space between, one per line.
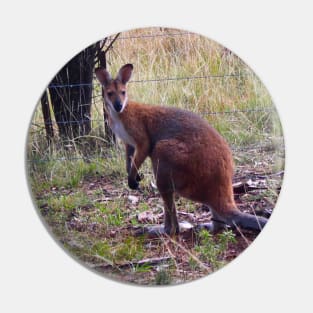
188, 156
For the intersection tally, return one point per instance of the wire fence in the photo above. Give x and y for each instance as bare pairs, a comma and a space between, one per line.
258, 109
235, 149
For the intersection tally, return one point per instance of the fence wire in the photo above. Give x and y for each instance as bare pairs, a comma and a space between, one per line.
259, 109
155, 35
155, 80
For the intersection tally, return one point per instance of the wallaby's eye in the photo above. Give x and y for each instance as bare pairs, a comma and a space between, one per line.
110, 93
123, 92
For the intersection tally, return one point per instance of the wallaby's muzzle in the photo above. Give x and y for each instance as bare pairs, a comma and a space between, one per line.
117, 105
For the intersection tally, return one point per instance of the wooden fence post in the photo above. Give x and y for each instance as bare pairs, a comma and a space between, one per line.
47, 116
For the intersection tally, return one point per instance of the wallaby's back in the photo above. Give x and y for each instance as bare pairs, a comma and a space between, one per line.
185, 147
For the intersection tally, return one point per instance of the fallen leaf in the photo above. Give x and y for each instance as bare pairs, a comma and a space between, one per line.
133, 199
147, 217
153, 185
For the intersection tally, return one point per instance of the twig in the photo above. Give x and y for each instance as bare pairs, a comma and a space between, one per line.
170, 252
103, 42
241, 234
107, 261
111, 43
190, 215
190, 254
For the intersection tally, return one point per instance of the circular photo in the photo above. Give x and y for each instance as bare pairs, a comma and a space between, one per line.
155, 156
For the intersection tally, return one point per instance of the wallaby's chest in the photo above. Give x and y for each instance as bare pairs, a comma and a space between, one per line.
119, 129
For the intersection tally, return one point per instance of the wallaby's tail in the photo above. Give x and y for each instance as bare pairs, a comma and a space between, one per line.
248, 221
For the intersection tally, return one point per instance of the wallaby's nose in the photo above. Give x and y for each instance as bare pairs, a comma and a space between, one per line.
117, 105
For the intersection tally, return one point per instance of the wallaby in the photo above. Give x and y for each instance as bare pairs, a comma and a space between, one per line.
189, 157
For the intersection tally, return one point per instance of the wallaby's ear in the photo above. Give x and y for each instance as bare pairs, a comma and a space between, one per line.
125, 73
103, 75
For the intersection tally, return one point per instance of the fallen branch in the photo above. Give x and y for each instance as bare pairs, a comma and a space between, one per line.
249, 185
150, 261
190, 215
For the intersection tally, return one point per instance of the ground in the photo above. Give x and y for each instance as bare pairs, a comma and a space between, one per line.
97, 221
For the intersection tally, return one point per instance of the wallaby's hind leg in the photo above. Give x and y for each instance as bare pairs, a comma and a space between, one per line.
225, 212
235, 219
171, 226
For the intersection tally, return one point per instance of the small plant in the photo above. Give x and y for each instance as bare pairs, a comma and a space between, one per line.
69, 202
98, 192
102, 249
134, 221
130, 249
115, 218
143, 268
163, 277
126, 251
212, 249
112, 212
101, 207
194, 265
143, 207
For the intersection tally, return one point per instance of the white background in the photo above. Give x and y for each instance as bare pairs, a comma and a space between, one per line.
274, 38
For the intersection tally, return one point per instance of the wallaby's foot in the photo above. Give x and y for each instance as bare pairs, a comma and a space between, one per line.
212, 227
156, 230
237, 219
247, 221
160, 230
152, 231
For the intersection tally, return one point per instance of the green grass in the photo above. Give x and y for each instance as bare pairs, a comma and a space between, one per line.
69, 202
61, 173
127, 250
211, 249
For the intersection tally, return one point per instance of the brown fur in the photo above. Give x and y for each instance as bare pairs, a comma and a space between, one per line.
188, 156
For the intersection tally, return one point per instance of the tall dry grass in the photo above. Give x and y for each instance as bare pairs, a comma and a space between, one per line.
160, 53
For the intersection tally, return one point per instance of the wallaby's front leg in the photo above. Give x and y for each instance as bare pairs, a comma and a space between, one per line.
140, 154
130, 150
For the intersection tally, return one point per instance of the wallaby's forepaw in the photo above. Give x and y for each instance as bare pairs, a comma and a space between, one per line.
139, 177
133, 183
